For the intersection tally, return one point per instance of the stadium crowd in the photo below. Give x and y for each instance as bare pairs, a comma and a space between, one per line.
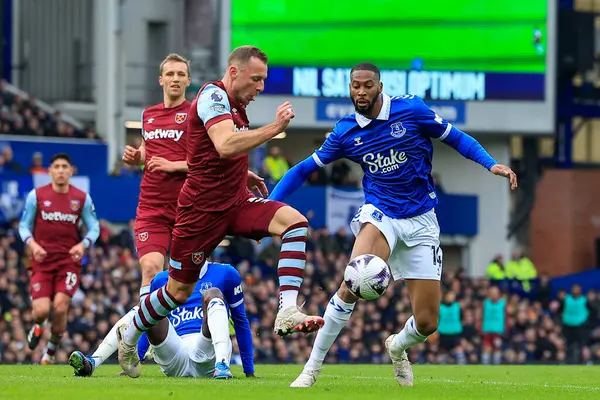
23, 116
110, 284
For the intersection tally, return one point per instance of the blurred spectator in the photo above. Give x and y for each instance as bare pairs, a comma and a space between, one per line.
10, 165
275, 164
575, 314
522, 269
495, 270
493, 326
37, 164
341, 174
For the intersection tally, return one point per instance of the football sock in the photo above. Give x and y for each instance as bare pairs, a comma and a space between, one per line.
218, 325
154, 308
336, 317
408, 336
292, 261
110, 343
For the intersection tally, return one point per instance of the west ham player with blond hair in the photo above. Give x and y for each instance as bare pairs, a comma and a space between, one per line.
50, 229
163, 153
215, 202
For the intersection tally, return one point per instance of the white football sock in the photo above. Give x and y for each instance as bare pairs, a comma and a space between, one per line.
336, 317
218, 325
287, 299
109, 345
408, 336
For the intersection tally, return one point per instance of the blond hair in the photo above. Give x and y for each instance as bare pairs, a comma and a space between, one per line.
174, 57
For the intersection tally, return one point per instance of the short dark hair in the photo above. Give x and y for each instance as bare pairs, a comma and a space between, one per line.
60, 156
243, 54
366, 66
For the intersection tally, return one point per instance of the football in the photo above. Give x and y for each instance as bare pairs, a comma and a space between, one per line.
367, 276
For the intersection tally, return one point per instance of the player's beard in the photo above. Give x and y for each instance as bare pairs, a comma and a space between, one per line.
366, 111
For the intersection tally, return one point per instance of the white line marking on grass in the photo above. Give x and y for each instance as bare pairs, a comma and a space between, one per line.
463, 382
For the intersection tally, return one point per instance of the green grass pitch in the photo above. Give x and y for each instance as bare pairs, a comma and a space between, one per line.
35, 382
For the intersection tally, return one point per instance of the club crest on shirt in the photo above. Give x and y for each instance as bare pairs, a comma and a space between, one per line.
180, 117
216, 96
204, 286
198, 257
143, 236
398, 130
75, 204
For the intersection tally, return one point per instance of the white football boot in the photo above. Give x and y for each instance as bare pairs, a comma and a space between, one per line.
402, 368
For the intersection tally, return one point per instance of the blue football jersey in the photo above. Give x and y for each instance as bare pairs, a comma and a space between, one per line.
395, 152
188, 317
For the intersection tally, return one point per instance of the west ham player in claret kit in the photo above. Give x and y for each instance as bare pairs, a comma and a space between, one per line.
163, 152
215, 202
50, 228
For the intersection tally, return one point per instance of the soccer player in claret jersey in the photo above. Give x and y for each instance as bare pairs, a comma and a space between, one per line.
163, 152
215, 201
50, 228
391, 140
194, 341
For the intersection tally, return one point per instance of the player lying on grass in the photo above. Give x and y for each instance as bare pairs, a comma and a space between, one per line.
194, 341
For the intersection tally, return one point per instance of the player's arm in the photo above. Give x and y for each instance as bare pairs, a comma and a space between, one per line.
28, 218
436, 127
161, 164
235, 298
88, 215
214, 110
299, 173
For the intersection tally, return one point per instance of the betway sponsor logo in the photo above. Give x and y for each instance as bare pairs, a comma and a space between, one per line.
59, 217
384, 164
163, 134
182, 315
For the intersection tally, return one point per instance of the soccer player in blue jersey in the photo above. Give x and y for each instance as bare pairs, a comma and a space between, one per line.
391, 139
194, 341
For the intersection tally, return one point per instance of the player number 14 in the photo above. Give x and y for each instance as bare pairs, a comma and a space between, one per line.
437, 255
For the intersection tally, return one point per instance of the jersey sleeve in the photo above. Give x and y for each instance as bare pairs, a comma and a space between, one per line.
235, 298
330, 151
159, 281
429, 122
28, 217
88, 215
213, 106
143, 346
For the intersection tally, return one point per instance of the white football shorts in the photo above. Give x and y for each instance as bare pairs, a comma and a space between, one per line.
191, 355
414, 242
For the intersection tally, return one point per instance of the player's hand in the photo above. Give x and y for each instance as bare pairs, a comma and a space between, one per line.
77, 251
283, 116
38, 252
502, 170
257, 185
159, 164
132, 156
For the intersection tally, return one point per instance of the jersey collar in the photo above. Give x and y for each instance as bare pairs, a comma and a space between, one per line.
384, 114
